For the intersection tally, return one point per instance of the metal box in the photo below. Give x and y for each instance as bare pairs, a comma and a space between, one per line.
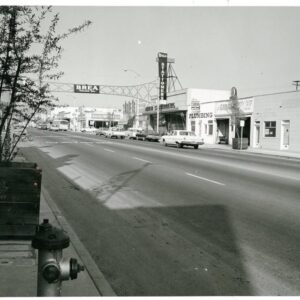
20, 188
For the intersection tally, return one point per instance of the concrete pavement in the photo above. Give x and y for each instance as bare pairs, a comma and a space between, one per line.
18, 263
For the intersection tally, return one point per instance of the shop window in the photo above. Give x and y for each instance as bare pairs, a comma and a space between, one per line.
270, 129
210, 127
205, 128
193, 126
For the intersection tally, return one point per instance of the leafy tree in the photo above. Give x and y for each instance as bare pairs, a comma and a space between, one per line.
236, 112
29, 57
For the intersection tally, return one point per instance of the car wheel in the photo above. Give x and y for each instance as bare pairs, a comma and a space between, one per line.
196, 146
165, 144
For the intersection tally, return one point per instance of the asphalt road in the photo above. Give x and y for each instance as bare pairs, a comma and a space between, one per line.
167, 221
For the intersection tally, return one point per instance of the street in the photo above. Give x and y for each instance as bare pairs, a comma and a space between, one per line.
162, 221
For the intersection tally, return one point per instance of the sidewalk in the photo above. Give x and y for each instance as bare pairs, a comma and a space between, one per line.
18, 263
277, 153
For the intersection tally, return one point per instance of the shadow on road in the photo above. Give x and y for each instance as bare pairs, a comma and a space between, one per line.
109, 188
168, 251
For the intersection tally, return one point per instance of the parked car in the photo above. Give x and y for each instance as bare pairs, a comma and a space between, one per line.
132, 132
114, 132
17, 131
182, 138
89, 130
101, 132
42, 126
153, 137
54, 127
140, 136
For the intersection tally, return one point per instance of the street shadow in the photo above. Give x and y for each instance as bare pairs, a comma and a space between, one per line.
115, 183
65, 160
161, 251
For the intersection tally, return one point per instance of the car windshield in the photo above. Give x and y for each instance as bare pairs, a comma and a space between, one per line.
183, 133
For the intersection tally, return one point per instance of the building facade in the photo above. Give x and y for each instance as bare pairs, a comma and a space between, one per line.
276, 122
191, 109
88, 117
269, 122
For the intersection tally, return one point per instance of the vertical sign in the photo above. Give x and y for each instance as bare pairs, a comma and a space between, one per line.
162, 72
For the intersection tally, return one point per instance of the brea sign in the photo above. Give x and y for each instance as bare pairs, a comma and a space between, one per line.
86, 88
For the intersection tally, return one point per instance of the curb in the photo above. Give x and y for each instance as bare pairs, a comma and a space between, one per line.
247, 152
95, 274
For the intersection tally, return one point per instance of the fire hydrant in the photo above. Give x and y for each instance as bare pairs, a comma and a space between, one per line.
52, 267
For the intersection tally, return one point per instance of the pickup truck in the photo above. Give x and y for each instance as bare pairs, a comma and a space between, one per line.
115, 133
182, 138
132, 133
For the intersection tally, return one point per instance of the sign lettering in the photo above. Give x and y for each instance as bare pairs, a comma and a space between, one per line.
163, 74
195, 105
86, 88
161, 107
208, 115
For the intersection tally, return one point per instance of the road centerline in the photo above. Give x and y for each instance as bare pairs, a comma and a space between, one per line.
206, 179
144, 160
108, 150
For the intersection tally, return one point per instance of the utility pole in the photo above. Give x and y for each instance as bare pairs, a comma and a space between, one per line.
157, 113
296, 83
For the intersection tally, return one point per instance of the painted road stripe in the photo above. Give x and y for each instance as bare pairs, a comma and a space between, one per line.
147, 161
108, 150
206, 179
48, 142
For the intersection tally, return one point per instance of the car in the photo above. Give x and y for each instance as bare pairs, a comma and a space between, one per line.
101, 132
89, 130
140, 136
153, 137
114, 132
132, 132
17, 131
182, 138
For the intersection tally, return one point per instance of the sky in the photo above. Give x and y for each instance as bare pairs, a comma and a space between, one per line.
255, 49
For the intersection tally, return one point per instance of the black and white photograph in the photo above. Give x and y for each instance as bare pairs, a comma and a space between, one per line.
149, 148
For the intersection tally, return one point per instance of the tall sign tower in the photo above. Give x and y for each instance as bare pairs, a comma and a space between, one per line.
168, 80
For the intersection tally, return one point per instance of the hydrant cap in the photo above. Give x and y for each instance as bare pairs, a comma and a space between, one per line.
49, 237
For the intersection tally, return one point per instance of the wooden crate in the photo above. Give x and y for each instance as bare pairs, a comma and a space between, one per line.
20, 188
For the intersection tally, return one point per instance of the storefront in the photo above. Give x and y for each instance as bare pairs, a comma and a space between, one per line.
172, 115
184, 110
225, 127
89, 117
276, 122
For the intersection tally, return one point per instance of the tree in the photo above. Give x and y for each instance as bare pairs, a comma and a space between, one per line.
236, 112
29, 56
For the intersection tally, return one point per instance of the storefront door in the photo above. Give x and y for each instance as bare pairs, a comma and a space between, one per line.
285, 134
257, 134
